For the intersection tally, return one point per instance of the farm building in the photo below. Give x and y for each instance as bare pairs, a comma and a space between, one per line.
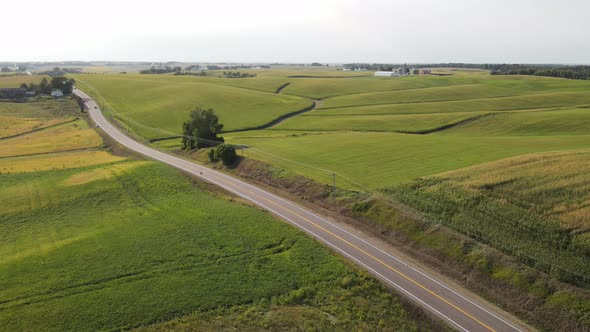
56, 93
387, 73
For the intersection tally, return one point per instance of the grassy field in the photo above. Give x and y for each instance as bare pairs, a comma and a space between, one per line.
18, 118
70, 136
321, 88
556, 122
534, 207
380, 159
523, 102
93, 241
130, 243
414, 123
16, 81
165, 102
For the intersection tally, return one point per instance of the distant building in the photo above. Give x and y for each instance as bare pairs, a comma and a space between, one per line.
387, 73
56, 93
30, 92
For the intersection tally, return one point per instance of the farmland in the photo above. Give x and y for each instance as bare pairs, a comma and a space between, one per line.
90, 240
165, 104
483, 155
16, 81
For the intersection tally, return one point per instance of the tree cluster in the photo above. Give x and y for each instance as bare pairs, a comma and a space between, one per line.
236, 74
188, 73
45, 86
162, 70
224, 152
571, 72
57, 71
201, 130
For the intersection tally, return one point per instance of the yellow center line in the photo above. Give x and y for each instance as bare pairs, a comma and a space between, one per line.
378, 260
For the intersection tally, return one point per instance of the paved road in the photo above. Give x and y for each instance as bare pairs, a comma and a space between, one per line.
459, 308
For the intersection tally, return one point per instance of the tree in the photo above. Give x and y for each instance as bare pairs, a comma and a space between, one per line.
44, 86
24, 86
227, 154
201, 130
64, 84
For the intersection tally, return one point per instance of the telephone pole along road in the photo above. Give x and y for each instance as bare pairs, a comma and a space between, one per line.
457, 307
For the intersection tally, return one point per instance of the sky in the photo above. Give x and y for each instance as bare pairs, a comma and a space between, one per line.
302, 31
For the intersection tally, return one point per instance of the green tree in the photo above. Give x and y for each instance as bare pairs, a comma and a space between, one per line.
201, 130
64, 84
44, 86
227, 154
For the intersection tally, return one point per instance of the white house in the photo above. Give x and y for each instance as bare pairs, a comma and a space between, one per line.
387, 73
56, 93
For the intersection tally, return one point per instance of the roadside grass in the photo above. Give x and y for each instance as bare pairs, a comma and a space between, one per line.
69, 136
556, 122
165, 103
411, 123
375, 160
534, 207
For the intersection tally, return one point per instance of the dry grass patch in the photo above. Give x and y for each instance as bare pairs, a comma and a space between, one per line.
56, 161
70, 136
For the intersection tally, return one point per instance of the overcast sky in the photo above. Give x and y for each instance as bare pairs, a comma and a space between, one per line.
335, 31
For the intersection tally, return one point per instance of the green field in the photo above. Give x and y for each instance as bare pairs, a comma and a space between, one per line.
131, 243
557, 122
94, 241
321, 88
440, 145
375, 160
413, 123
165, 101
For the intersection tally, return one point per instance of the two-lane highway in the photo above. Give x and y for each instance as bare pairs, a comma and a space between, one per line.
456, 306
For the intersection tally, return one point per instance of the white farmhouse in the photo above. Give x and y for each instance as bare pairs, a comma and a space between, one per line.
56, 93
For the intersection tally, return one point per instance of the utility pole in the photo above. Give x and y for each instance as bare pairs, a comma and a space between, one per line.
334, 187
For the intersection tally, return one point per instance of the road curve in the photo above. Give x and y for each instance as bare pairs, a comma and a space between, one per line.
460, 309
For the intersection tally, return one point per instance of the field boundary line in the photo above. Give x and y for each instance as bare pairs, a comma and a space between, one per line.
280, 119
51, 152
39, 129
457, 100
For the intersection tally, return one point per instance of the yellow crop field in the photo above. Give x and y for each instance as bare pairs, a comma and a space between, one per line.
56, 161
10, 126
71, 136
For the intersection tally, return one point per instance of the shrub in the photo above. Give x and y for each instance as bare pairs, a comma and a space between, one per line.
226, 153
213, 157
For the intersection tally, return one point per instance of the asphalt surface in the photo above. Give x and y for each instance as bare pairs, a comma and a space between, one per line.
454, 305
